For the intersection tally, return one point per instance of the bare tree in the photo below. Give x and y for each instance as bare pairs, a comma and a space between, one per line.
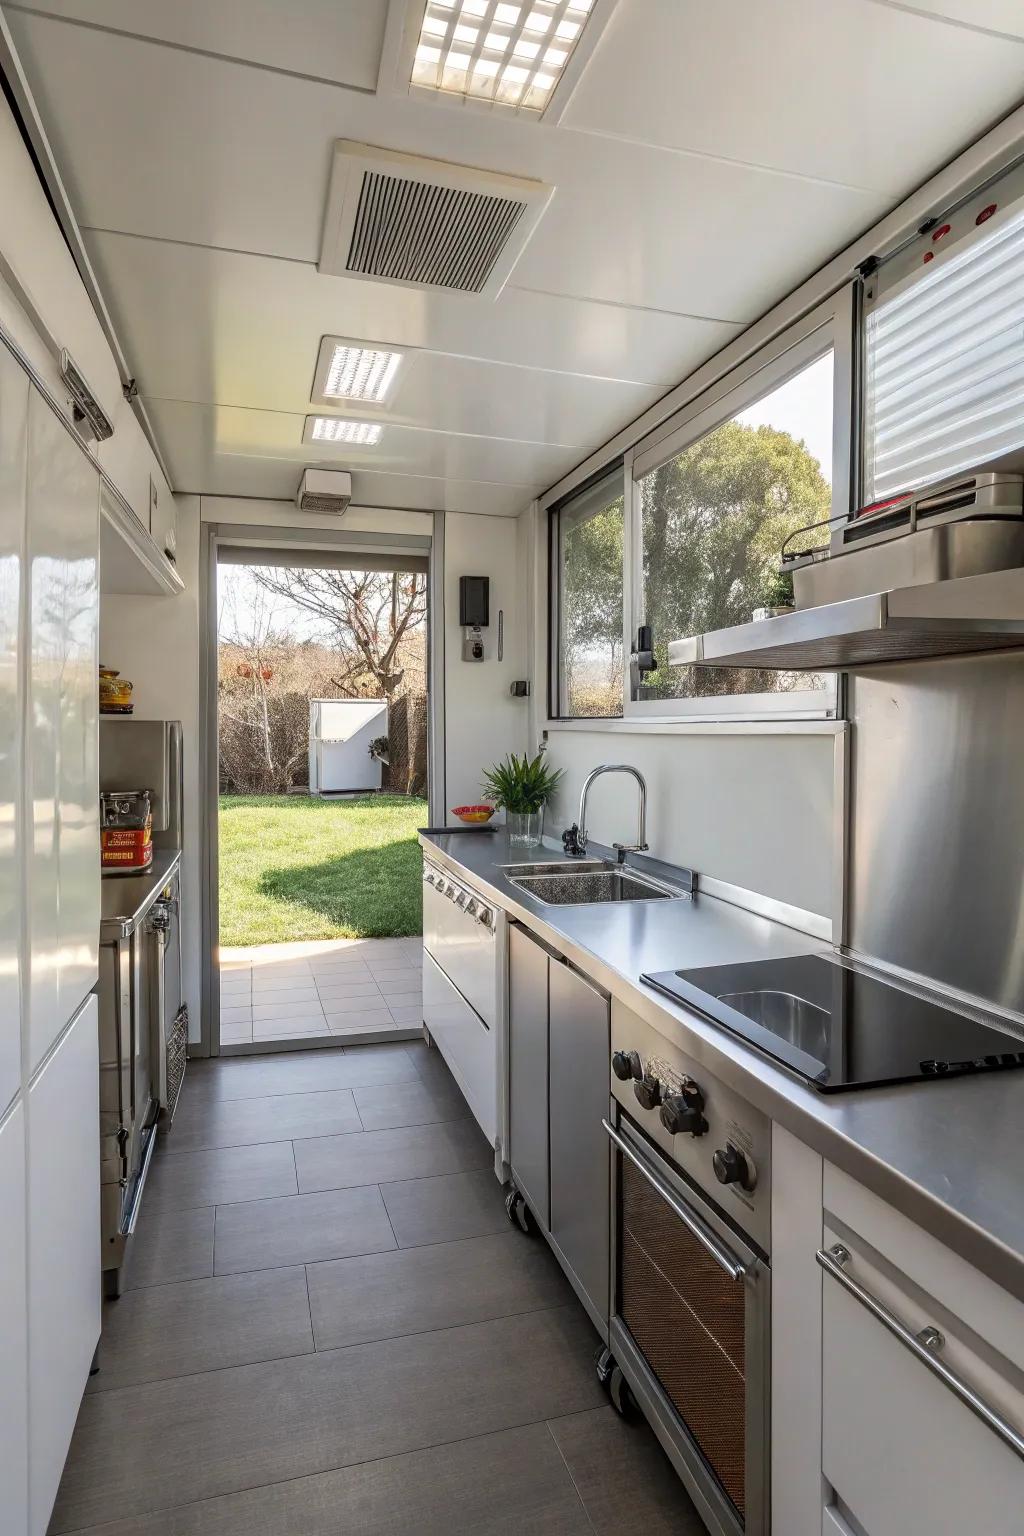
367, 614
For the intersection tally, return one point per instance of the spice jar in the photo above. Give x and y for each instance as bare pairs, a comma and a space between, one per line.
126, 831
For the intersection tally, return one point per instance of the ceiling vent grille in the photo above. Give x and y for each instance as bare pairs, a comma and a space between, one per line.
425, 223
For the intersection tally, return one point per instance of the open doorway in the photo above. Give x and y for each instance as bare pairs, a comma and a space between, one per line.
322, 763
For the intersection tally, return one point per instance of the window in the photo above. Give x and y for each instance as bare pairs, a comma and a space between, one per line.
587, 545
687, 535
712, 519
944, 368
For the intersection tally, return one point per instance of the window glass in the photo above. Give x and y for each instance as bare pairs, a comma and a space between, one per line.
588, 549
713, 520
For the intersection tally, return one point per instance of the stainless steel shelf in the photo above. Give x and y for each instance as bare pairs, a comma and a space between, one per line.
950, 618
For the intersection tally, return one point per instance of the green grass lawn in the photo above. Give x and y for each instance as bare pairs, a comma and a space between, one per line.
292, 867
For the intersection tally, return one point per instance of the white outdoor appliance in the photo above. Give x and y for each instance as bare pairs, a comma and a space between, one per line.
464, 995
340, 733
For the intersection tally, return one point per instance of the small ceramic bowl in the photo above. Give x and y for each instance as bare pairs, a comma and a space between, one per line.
473, 813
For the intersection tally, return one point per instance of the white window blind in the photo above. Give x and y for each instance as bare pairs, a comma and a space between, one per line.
945, 364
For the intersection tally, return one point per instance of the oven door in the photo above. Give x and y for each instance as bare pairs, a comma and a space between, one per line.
690, 1331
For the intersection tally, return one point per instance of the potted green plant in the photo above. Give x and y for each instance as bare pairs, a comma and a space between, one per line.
522, 786
379, 749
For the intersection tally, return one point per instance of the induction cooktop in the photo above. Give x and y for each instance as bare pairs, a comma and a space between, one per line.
841, 1028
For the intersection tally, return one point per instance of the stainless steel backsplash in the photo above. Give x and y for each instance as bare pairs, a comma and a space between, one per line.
936, 851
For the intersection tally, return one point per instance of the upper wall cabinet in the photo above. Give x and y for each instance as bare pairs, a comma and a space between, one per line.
62, 547
133, 557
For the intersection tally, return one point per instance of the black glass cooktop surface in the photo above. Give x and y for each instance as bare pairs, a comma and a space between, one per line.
841, 1028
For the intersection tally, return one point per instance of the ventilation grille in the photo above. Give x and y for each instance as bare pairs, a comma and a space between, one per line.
441, 237
396, 218
310, 501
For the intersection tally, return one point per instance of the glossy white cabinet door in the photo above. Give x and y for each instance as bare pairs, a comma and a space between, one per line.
13, 1328
14, 387
63, 554
63, 1251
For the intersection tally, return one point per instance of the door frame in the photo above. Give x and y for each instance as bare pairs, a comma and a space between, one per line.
212, 537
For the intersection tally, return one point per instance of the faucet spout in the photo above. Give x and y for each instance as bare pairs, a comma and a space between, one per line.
575, 840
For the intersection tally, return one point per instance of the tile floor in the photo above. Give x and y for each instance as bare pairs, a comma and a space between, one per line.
353, 988
328, 1327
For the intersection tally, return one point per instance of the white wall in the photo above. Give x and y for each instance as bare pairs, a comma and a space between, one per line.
482, 720
155, 642
755, 809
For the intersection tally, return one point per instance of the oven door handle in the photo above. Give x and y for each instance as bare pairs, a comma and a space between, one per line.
723, 1257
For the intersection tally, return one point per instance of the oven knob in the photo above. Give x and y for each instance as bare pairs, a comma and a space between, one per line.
648, 1091
684, 1111
731, 1167
627, 1064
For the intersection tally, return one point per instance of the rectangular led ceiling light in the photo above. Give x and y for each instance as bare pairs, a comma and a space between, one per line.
332, 429
360, 373
500, 51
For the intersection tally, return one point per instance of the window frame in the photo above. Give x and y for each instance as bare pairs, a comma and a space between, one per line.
832, 325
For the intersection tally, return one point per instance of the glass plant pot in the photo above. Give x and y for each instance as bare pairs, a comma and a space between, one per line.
525, 828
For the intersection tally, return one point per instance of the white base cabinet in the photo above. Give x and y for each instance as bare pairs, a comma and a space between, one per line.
64, 1262
466, 1043
13, 1328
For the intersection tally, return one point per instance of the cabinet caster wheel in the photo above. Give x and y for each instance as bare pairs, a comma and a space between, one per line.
604, 1364
623, 1401
518, 1212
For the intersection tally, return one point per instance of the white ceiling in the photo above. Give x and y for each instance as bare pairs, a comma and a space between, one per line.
711, 157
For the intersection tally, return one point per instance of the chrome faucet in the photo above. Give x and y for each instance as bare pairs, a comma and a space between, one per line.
575, 840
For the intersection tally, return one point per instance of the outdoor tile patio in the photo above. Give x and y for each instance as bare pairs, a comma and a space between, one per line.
345, 988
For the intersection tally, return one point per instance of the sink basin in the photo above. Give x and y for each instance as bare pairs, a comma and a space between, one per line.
579, 887
787, 1015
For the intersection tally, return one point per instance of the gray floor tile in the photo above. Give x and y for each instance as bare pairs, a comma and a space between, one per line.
332, 989
236, 1015
299, 1012
409, 1104
446, 1208
506, 1484
203, 1325
374, 1157
351, 1002
387, 1295
140, 1449
178, 1180
168, 1246
241, 1122
289, 1029
300, 1229
623, 1476
403, 1013
298, 1072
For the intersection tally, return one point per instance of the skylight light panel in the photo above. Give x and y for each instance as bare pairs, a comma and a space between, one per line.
360, 373
331, 429
510, 53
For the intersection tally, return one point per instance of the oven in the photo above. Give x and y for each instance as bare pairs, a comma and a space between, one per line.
691, 1283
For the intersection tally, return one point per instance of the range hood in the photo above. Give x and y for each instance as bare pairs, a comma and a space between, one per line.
943, 618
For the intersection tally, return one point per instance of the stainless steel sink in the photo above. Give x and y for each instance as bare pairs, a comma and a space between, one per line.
597, 882
559, 867
786, 1015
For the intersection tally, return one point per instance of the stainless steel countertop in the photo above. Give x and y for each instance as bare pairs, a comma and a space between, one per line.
125, 899
947, 1155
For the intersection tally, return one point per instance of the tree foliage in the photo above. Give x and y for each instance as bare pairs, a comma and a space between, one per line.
714, 519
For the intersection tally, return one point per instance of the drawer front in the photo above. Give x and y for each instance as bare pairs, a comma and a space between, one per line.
466, 1044
463, 946
904, 1454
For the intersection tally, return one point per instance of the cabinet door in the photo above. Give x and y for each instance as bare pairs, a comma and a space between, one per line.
63, 1252
528, 1068
578, 1055
13, 1328
13, 455
63, 556
905, 1456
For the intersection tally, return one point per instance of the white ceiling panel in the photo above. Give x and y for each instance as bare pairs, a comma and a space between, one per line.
844, 90
627, 224
262, 321
1005, 17
329, 39
225, 431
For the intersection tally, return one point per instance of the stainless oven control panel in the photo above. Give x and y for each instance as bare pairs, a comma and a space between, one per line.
716, 1137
